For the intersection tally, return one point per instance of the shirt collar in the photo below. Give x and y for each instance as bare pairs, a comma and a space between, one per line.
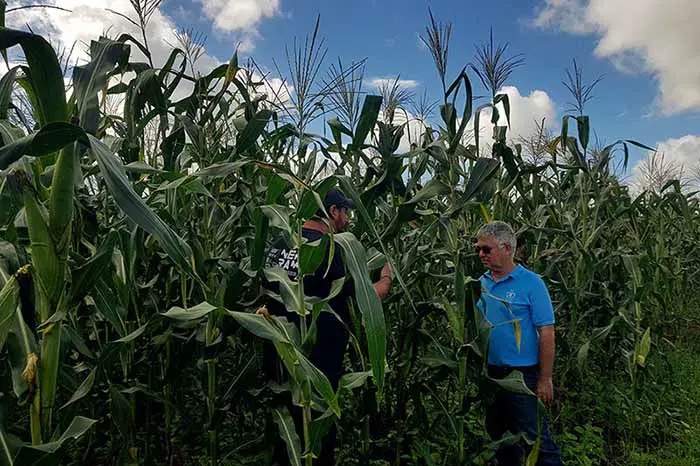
513, 273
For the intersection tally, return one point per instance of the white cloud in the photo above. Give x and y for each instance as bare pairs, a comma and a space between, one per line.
655, 36
525, 112
684, 150
403, 83
679, 157
239, 15
88, 19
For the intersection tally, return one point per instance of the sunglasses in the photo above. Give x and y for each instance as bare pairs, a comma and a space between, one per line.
485, 249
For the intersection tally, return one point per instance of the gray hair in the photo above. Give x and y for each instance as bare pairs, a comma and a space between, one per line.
501, 231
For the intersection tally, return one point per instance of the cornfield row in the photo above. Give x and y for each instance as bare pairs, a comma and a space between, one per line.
131, 256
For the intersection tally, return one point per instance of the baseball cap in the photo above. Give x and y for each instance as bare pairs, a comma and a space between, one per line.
337, 198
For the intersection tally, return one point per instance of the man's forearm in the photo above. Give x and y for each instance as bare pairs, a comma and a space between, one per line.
547, 347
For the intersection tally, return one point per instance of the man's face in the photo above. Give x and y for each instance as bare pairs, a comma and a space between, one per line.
339, 218
493, 255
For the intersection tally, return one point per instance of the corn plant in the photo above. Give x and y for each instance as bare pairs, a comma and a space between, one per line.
132, 243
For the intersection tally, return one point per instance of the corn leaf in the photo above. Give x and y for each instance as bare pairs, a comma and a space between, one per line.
9, 299
92, 77
278, 216
369, 303
137, 210
193, 313
46, 86
6, 87
44, 454
368, 118
643, 348
47, 268
47, 140
288, 432
433, 188
483, 170
513, 382
252, 131
289, 290
311, 254
83, 389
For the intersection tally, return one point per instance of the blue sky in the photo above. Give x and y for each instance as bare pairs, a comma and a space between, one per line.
651, 89
386, 34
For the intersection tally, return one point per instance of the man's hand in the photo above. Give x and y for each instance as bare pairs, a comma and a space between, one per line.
383, 285
545, 389
263, 312
386, 271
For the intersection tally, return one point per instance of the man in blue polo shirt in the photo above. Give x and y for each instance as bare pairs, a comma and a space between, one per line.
511, 293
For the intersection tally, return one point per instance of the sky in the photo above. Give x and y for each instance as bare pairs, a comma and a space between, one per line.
644, 49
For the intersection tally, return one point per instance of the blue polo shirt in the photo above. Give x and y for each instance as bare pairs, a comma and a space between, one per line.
525, 294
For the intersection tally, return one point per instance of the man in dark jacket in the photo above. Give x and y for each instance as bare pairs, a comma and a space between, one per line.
332, 335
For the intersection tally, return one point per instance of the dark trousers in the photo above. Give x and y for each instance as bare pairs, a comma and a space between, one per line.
516, 413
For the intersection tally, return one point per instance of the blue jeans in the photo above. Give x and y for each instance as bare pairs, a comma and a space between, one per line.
516, 413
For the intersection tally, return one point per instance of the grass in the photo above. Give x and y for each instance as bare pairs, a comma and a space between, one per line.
686, 452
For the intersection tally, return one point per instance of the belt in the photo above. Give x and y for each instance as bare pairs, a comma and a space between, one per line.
499, 372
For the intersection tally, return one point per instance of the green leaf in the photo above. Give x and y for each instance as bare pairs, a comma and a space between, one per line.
350, 191
252, 131
278, 216
139, 167
47, 140
457, 321
643, 349
84, 277
137, 333
91, 78
518, 333
336, 288
194, 313
311, 255
9, 299
46, 265
319, 381
136, 209
289, 290
261, 227
44, 454
318, 429
312, 200
369, 304
514, 383
261, 326
288, 432
483, 170
433, 188
534, 452
221, 170
83, 389
46, 89
368, 118
120, 409
353, 380
477, 129
6, 87
584, 131
109, 306
582, 355
503, 98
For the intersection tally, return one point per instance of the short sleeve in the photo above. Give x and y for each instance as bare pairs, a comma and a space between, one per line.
541, 304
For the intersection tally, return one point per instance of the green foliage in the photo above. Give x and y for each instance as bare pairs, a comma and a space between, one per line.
132, 253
